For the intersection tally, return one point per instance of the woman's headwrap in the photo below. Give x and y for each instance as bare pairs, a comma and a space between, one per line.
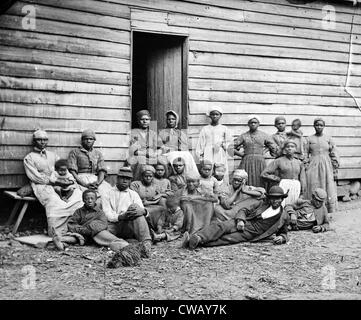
287, 142
253, 116
280, 118
179, 159
319, 119
88, 134
172, 112
142, 113
190, 177
219, 165
148, 167
240, 173
206, 162
216, 108
40, 134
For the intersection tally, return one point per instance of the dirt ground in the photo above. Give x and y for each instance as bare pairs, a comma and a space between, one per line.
310, 266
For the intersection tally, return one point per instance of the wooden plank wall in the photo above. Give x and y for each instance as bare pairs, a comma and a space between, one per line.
268, 57
71, 73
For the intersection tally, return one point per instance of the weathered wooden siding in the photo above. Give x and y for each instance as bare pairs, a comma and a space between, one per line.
264, 56
71, 73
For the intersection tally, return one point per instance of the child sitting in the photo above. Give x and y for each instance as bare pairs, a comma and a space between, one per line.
309, 214
222, 186
197, 205
178, 178
171, 221
89, 223
161, 181
296, 135
207, 182
63, 180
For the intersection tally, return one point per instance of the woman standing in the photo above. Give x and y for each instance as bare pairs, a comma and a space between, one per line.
39, 164
323, 162
144, 145
214, 140
253, 142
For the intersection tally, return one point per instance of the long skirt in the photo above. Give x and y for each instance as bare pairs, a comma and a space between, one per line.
57, 210
319, 174
254, 164
294, 189
103, 188
197, 215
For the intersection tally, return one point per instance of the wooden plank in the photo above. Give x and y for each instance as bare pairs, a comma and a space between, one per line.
64, 59
19, 69
80, 18
199, 107
68, 29
59, 85
73, 125
13, 181
52, 42
105, 8
267, 51
354, 173
62, 112
269, 98
15, 167
266, 87
234, 73
19, 152
64, 139
59, 98
266, 63
180, 20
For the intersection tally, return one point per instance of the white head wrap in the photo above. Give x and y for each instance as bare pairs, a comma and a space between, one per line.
240, 173
216, 108
40, 134
253, 116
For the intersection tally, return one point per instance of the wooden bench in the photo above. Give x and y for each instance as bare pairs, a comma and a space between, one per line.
19, 200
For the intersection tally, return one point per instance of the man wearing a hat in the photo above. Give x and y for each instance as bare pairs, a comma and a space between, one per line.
264, 219
125, 211
309, 214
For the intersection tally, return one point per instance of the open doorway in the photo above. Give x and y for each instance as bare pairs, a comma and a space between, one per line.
159, 76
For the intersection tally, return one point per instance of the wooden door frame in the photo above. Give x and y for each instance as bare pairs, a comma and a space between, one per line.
185, 52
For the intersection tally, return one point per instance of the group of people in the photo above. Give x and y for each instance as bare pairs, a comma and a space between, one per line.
163, 191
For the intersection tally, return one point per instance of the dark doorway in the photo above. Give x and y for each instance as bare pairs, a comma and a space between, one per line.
159, 76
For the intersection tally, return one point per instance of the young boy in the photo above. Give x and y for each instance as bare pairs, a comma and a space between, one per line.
178, 179
280, 136
296, 135
309, 214
207, 182
89, 223
62, 176
170, 223
222, 183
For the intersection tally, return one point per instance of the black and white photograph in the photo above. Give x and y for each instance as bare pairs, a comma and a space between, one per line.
190, 152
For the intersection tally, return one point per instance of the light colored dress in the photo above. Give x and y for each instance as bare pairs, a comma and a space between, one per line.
39, 166
323, 161
209, 146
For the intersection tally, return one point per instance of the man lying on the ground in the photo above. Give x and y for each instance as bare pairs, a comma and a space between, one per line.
263, 219
309, 214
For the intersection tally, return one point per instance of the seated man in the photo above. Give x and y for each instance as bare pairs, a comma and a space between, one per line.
309, 214
263, 219
238, 196
125, 212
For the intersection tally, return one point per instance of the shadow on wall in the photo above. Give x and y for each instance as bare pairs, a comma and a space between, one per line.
5, 5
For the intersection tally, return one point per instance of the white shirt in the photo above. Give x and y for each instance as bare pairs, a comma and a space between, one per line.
270, 212
116, 202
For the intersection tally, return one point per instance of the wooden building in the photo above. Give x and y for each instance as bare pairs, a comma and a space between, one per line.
68, 65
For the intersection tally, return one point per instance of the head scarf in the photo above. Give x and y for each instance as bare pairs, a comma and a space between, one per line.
319, 119
88, 134
142, 113
193, 177
148, 167
172, 112
253, 116
240, 173
216, 108
40, 134
178, 159
280, 118
206, 162
287, 142
219, 165
320, 194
